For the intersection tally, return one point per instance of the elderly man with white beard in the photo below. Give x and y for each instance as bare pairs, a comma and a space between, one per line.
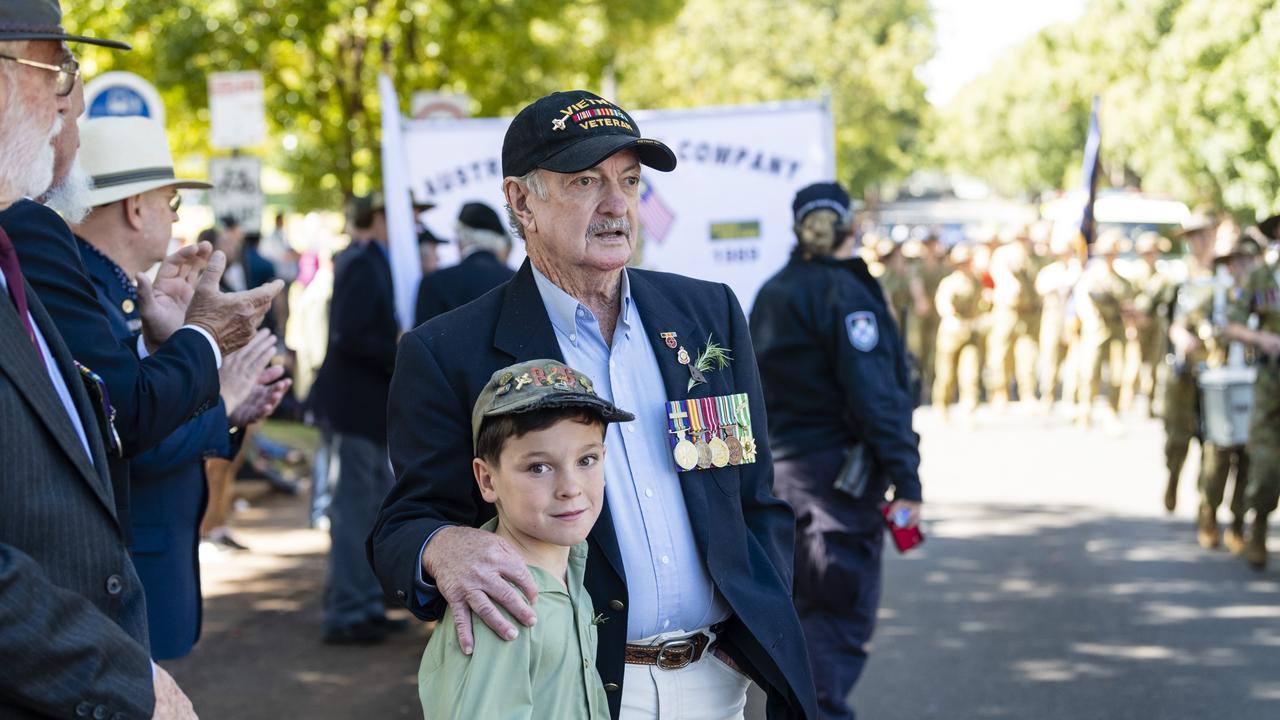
72, 617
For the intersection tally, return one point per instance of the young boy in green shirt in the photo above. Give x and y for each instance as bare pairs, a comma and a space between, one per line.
538, 432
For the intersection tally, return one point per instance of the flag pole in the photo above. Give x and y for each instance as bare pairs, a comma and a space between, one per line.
402, 236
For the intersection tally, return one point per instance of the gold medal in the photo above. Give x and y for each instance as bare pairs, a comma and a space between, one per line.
686, 454
719, 452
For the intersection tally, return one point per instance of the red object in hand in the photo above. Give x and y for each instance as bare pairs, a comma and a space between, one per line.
904, 538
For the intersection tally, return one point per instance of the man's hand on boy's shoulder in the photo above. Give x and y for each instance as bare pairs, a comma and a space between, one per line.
474, 569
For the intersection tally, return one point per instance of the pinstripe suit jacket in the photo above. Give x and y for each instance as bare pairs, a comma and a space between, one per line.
73, 625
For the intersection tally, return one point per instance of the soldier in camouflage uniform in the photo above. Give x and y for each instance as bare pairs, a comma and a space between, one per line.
1197, 308
1054, 284
930, 267
1146, 349
960, 307
1181, 404
1104, 300
1260, 296
1014, 318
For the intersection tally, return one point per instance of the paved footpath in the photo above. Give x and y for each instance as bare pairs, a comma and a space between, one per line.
1052, 585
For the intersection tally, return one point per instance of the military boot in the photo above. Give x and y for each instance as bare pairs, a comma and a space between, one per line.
1171, 492
1255, 553
1234, 537
1207, 528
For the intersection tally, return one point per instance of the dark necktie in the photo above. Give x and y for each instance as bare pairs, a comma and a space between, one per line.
17, 289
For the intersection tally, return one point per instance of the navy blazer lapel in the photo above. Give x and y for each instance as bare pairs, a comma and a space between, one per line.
31, 379
524, 329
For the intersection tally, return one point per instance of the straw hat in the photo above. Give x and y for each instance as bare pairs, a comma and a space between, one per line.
127, 156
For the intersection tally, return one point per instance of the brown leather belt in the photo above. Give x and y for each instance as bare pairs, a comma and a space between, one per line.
675, 653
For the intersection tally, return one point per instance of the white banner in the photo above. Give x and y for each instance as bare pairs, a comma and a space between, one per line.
724, 213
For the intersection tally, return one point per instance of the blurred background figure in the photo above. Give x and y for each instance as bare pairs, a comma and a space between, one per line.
1054, 284
485, 246
961, 305
1105, 302
1015, 310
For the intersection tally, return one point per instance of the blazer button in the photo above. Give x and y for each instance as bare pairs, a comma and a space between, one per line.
616, 605
115, 586
84, 709
100, 712
400, 595
611, 687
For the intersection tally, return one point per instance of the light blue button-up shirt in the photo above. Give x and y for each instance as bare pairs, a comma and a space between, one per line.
668, 585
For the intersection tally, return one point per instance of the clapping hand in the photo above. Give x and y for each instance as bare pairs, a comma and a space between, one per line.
263, 398
230, 318
163, 302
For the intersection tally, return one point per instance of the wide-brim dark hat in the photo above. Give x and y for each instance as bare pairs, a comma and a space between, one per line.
571, 131
42, 20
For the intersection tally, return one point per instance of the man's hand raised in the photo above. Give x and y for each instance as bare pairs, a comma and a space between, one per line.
231, 318
473, 569
163, 302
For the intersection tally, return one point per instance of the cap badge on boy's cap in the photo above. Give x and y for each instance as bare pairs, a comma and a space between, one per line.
537, 385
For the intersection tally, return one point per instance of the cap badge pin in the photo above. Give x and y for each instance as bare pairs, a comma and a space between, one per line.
558, 123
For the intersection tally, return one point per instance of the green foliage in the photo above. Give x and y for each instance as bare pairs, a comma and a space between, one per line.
863, 53
1188, 103
320, 60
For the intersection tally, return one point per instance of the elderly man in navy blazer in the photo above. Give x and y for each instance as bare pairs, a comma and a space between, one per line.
690, 564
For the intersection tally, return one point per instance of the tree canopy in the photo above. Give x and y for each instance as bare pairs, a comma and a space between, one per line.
1188, 104
320, 59
862, 53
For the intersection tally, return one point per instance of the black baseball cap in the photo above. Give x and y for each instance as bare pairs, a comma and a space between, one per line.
540, 385
481, 217
571, 131
41, 20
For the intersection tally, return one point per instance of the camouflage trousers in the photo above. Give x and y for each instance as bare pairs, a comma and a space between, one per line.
1011, 354
1181, 418
1216, 465
1264, 440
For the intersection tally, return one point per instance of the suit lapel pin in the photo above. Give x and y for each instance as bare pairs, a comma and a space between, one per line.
669, 338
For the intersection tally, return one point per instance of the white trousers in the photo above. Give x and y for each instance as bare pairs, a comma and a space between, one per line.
705, 690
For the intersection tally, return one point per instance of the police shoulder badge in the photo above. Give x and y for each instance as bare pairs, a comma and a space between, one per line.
863, 331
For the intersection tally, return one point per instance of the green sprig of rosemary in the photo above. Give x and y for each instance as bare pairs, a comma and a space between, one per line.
713, 354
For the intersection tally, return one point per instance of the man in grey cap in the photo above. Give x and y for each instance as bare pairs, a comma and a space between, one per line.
72, 619
485, 246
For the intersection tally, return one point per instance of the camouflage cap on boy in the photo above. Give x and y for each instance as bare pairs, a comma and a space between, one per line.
539, 385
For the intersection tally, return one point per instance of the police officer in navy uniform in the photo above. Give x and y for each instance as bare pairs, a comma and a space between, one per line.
834, 373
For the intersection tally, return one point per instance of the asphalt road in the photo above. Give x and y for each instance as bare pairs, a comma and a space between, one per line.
1052, 585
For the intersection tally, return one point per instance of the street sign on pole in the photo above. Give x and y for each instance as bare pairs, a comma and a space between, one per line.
119, 94
237, 115
237, 189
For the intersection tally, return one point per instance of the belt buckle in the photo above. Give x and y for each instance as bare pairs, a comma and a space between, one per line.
675, 654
